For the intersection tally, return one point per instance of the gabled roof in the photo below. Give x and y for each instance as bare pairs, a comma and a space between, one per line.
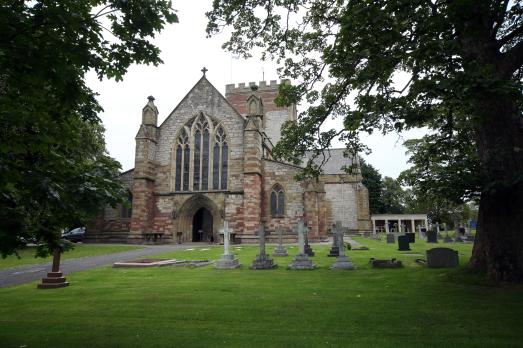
202, 80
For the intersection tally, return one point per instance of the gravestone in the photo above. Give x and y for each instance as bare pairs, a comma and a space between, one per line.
262, 260
412, 237
392, 263
308, 249
280, 249
301, 261
423, 232
403, 243
432, 236
342, 261
442, 258
335, 249
227, 261
390, 238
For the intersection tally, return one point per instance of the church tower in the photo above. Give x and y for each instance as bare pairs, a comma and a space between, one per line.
144, 172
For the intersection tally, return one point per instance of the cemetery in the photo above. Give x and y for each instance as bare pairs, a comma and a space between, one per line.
213, 295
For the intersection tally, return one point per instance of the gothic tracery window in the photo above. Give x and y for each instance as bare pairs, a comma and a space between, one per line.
277, 201
183, 153
220, 159
201, 156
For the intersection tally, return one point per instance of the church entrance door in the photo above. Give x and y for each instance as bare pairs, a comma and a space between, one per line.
202, 226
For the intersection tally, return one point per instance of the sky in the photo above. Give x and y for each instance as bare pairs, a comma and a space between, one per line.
185, 50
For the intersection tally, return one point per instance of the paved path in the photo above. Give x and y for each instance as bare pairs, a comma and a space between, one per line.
25, 274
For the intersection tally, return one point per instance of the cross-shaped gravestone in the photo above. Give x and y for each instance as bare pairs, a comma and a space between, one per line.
227, 261
226, 236
280, 250
279, 230
204, 70
261, 236
262, 261
301, 261
342, 261
301, 236
339, 233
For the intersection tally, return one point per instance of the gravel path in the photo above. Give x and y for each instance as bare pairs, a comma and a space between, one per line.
25, 274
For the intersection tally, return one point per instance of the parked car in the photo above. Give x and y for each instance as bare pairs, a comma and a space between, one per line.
74, 235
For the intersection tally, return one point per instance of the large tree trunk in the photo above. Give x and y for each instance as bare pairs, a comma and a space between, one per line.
498, 249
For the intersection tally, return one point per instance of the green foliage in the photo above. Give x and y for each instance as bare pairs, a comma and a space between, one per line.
54, 169
371, 178
393, 198
444, 65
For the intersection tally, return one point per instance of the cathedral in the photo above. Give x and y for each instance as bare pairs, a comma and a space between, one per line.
210, 161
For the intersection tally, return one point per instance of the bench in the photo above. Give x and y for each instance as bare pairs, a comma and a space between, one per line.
153, 237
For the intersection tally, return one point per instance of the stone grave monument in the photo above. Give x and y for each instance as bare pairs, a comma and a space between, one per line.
342, 261
335, 249
403, 243
390, 238
55, 278
262, 260
432, 235
301, 261
227, 261
442, 258
280, 249
308, 249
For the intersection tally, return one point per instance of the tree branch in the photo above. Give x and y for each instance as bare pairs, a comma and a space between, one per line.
510, 36
499, 18
512, 60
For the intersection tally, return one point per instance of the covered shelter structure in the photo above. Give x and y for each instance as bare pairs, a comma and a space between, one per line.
398, 222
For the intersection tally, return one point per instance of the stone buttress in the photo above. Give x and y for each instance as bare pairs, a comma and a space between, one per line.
144, 174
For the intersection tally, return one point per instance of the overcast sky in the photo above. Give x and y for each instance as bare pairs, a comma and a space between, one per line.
185, 51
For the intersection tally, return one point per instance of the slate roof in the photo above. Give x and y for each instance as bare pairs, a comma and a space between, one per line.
335, 161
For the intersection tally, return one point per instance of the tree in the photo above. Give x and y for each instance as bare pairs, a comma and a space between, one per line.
460, 62
393, 198
371, 178
54, 169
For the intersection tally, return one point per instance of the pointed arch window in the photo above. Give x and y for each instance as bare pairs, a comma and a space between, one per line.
201, 156
277, 201
183, 154
220, 160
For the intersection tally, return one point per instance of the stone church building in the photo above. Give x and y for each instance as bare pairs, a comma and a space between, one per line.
210, 161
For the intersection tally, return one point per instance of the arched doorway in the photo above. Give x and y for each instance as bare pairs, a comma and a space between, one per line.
202, 225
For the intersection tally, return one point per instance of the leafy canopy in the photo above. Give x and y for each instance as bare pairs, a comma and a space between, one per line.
54, 169
407, 63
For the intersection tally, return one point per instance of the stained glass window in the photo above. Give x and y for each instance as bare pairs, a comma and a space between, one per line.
216, 167
196, 178
224, 166
277, 201
178, 177
205, 160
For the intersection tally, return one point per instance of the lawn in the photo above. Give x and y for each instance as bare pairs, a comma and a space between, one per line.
27, 255
204, 307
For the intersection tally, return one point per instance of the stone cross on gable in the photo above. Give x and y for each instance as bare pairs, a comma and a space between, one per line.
261, 235
226, 237
204, 70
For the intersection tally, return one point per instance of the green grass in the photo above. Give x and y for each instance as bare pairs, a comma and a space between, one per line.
204, 307
27, 255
